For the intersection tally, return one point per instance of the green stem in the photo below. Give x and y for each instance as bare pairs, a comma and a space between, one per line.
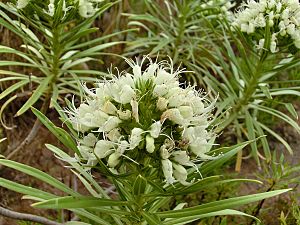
249, 91
56, 48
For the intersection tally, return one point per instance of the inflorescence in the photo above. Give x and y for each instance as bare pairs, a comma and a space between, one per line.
144, 118
86, 8
281, 17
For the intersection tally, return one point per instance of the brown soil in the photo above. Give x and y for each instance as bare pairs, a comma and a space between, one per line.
36, 155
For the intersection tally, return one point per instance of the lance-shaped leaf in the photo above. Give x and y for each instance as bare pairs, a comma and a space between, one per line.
219, 205
71, 202
60, 133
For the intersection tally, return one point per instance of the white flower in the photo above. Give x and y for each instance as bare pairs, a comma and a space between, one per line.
111, 123
167, 168
161, 90
162, 103
109, 108
180, 173
89, 140
86, 8
114, 135
124, 115
283, 18
163, 77
186, 111
126, 94
135, 137
114, 159
103, 148
155, 129
150, 147
173, 115
182, 158
22, 4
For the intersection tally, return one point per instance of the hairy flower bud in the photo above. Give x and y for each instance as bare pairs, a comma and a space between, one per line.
103, 148
150, 147
155, 129
136, 137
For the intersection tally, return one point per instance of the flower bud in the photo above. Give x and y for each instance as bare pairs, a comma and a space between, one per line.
22, 4
114, 135
109, 108
168, 171
89, 140
124, 115
162, 104
180, 173
126, 94
113, 159
111, 123
150, 147
135, 137
135, 110
103, 148
155, 129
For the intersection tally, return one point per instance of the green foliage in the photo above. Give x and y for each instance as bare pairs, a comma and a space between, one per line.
52, 49
181, 30
245, 91
254, 89
141, 196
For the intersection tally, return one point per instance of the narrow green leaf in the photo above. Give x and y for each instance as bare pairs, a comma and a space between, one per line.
14, 87
71, 202
220, 205
35, 96
91, 216
291, 109
151, 218
26, 190
39, 175
252, 136
60, 133
185, 220
139, 185
278, 137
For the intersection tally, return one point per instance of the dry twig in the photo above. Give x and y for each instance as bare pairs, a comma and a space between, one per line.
28, 217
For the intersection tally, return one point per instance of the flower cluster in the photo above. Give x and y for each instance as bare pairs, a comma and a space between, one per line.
282, 17
223, 6
144, 118
86, 8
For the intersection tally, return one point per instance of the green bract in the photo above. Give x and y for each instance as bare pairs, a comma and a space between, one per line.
144, 119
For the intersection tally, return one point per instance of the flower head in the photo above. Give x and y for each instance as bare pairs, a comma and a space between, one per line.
145, 118
85, 8
280, 17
